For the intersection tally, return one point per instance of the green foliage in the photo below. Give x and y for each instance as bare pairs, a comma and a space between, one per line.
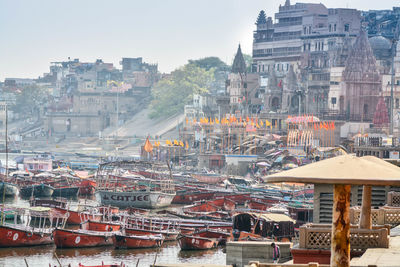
210, 62
171, 94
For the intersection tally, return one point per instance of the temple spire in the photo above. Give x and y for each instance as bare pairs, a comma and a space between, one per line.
287, 3
239, 65
262, 18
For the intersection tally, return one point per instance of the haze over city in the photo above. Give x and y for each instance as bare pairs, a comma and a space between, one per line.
35, 33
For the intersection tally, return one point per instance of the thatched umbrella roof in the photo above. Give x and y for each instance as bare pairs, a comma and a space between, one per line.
345, 169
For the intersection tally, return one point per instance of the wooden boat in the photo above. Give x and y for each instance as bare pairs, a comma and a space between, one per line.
168, 235
202, 207
37, 190
8, 189
87, 187
221, 236
188, 197
208, 178
66, 191
14, 236
187, 242
239, 198
100, 226
66, 238
29, 233
137, 241
77, 217
138, 199
256, 205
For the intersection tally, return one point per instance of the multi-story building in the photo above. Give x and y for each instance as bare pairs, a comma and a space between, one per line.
307, 40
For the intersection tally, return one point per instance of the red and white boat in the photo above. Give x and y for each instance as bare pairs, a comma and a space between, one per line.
14, 236
30, 233
137, 241
78, 217
66, 238
187, 242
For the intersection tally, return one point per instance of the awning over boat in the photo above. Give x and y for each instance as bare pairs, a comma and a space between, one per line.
272, 217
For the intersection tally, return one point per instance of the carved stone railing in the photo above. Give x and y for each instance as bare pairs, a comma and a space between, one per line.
318, 236
383, 215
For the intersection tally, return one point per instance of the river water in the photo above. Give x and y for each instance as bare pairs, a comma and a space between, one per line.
168, 253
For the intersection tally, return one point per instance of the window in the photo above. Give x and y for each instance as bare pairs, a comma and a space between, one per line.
397, 103
305, 30
347, 27
334, 27
309, 29
287, 66
330, 27
333, 100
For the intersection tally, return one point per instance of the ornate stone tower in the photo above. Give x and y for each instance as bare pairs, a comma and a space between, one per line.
362, 81
290, 99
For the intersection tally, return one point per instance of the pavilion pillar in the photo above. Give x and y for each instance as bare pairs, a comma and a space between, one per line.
340, 242
365, 217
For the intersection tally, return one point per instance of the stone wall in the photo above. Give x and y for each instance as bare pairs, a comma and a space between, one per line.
241, 253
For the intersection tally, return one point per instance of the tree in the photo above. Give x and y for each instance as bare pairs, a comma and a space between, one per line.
171, 94
210, 62
29, 100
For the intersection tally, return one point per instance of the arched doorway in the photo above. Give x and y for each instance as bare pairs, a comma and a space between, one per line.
275, 104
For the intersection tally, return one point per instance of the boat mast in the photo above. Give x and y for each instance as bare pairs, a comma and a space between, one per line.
5, 179
6, 135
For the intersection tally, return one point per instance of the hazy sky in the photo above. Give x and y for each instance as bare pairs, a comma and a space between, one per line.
168, 32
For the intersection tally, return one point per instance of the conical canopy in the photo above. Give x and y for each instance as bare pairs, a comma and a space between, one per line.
345, 169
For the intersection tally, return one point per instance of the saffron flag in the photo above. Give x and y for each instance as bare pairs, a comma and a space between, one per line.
175, 142
267, 123
181, 144
148, 147
168, 142
187, 145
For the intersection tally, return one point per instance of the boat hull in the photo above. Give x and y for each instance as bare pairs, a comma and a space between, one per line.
168, 235
131, 241
8, 189
41, 190
15, 237
80, 239
100, 226
66, 192
196, 243
148, 200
